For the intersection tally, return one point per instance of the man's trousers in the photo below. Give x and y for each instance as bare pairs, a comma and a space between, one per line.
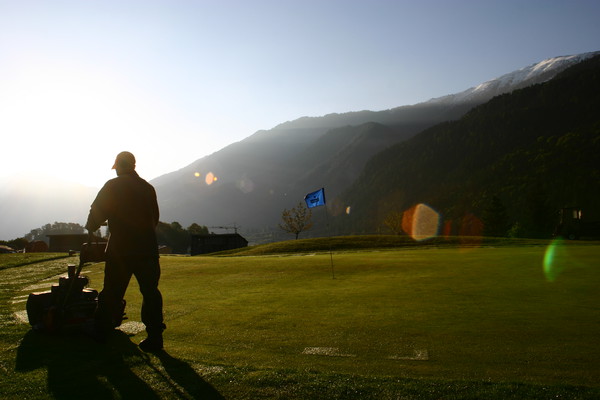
117, 274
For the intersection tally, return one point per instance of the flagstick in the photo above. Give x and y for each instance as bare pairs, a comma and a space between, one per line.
316, 199
329, 234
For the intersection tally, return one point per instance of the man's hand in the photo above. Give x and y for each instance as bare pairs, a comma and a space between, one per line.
86, 252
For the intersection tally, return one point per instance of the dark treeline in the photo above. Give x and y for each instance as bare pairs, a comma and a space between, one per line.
176, 237
57, 228
171, 234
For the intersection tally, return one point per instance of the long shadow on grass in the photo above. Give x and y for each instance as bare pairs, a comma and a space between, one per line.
187, 378
78, 367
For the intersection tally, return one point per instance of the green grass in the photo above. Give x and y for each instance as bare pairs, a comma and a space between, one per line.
368, 242
436, 321
10, 260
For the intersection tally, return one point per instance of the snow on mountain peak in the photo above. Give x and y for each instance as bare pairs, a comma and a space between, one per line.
551, 65
535, 73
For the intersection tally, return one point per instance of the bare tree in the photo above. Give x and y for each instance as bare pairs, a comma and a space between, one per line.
296, 220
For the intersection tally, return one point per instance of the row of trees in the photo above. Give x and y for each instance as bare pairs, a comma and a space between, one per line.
171, 234
176, 237
57, 228
41, 234
295, 221
494, 220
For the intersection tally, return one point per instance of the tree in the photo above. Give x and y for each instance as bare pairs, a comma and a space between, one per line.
174, 236
17, 244
296, 220
495, 219
195, 229
57, 228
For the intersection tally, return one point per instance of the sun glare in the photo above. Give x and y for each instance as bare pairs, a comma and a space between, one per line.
72, 119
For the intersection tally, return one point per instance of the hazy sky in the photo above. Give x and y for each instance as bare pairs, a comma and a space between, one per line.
173, 81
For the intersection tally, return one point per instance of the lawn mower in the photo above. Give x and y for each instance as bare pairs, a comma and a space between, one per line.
70, 305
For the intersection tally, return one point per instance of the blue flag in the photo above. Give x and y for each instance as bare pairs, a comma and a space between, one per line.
315, 199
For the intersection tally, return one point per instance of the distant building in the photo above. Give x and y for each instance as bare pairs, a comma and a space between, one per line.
64, 243
37, 246
164, 250
204, 244
6, 249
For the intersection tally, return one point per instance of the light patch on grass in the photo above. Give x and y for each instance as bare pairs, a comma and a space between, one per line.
417, 355
132, 327
325, 351
46, 284
19, 299
206, 370
21, 317
36, 287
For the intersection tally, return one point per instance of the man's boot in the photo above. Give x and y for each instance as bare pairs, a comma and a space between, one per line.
154, 341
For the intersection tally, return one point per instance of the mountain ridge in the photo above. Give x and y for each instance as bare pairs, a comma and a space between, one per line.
273, 169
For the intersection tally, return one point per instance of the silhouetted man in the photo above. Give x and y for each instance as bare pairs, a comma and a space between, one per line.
129, 205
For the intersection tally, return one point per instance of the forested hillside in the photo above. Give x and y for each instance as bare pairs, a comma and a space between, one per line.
524, 154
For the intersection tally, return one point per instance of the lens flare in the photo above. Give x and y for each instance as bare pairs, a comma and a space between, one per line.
245, 185
210, 178
554, 260
197, 174
471, 226
447, 229
421, 222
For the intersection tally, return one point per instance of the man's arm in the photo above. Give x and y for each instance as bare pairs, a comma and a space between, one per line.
155, 212
98, 211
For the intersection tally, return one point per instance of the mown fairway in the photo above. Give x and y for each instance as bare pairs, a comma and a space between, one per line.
406, 323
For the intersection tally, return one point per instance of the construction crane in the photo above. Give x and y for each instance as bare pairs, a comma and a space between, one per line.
227, 228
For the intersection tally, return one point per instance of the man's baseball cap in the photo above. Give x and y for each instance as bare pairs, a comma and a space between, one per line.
125, 160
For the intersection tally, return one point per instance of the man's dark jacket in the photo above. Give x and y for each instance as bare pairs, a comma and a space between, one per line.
129, 204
